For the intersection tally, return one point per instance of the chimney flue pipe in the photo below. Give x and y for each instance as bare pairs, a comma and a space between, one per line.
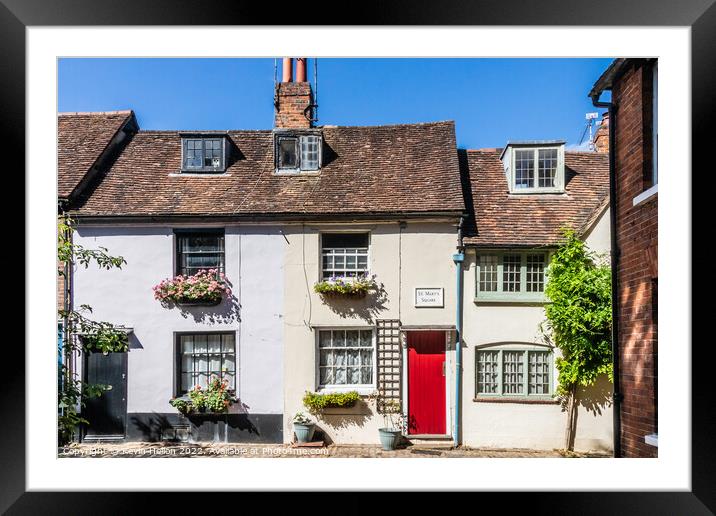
301, 69
287, 69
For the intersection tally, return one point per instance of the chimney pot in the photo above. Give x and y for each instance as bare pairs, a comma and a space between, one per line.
287, 69
301, 69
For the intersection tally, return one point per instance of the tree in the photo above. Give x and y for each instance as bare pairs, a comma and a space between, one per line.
579, 321
81, 334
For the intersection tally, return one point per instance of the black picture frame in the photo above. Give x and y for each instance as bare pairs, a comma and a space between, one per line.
699, 15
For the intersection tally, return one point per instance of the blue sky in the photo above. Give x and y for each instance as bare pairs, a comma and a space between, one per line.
490, 100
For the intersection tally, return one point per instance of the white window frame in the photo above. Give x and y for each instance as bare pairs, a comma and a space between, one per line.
526, 348
368, 254
300, 139
558, 175
363, 389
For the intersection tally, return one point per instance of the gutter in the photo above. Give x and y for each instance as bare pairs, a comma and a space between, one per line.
458, 258
617, 395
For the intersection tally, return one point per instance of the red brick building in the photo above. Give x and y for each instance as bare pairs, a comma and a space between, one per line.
633, 125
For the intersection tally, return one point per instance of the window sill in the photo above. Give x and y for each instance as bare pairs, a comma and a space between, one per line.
363, 391
518, 400
533, 191
646, 195
297, 173
199, 173
522, 300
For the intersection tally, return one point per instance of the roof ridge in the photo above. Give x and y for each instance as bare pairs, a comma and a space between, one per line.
98, 113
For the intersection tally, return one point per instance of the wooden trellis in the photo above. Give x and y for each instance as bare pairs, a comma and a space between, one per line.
389, 363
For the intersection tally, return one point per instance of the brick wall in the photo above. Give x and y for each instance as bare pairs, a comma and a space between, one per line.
637, 272
293, 99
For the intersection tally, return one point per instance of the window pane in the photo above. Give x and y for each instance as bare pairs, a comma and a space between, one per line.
309, 152
288, 153
192, 153
547, 167
339, 338
352, 339
524, 168
324, 339
200, 251
345, 255
539, 372
487, 372
511, 272
535, 272
513, 372
204, 357
488, 273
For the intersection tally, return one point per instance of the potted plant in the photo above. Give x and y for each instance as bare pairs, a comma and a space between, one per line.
303, 427
345, 287
393, 418
206, 287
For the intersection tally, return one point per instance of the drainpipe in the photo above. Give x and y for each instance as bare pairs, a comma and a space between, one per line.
458, 258
617, 396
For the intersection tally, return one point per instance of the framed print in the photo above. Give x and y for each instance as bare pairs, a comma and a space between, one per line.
401, 265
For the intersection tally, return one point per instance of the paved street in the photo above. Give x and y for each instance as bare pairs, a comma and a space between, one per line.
189, 450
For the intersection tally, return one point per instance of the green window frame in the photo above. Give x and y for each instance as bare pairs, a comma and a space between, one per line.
511, 276
514, 372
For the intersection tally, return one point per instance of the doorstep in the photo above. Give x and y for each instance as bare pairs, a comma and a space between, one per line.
430, 440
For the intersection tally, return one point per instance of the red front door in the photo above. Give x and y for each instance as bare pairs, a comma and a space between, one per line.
426, 382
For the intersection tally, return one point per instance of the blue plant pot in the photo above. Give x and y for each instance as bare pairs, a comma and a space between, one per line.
304, 433
389, 438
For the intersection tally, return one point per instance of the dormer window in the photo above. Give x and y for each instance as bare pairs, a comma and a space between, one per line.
534, 167
298, 153
204, 153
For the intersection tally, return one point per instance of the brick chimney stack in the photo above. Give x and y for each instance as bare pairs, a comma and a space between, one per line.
293, 100
601, 139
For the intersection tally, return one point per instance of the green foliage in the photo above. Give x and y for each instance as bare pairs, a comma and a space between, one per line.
73, 394
182, 405
579, 316
71, 253
356, 287
302, 419
315, 402
95, 336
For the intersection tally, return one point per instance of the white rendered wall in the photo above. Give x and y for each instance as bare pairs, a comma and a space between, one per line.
254, 266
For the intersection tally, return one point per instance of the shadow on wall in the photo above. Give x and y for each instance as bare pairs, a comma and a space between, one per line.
367, 308
342, 419
226, 312
594, 399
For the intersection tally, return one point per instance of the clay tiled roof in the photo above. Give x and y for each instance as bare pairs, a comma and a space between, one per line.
81, 138
524, 220
380, 169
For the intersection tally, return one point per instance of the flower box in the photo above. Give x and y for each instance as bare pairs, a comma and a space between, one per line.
350, 288
199, 302
205, 288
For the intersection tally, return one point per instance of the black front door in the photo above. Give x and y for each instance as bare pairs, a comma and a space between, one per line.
107, 414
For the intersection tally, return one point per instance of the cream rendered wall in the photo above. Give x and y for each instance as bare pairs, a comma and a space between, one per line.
516, 425
420, 255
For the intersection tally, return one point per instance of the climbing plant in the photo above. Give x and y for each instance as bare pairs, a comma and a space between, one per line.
579, 319
81, 334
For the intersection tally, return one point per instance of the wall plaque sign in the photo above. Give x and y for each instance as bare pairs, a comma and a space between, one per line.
429, 297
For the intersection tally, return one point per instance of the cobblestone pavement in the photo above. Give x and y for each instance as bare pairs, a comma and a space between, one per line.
189, 450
